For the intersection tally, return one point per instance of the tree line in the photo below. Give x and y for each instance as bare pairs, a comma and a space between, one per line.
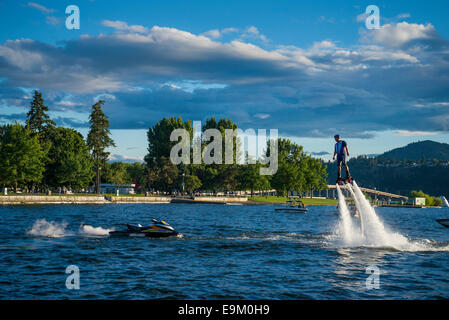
39, 156
297, 171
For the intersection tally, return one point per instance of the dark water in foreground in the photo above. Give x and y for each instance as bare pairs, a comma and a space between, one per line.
227, 252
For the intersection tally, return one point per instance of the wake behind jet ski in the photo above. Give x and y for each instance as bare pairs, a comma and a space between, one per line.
159, 229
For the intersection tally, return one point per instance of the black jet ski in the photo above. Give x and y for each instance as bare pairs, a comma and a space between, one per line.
159, 229
443, 222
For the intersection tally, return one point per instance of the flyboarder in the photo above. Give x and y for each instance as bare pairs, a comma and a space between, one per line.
341, 151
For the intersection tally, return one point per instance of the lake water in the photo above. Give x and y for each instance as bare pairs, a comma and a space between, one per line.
226, 252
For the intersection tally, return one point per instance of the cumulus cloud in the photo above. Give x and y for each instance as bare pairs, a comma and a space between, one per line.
397, 35
145, 74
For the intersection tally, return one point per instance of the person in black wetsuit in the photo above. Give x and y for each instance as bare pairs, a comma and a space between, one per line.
341, 151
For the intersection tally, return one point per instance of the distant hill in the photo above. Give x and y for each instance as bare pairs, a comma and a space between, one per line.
417, 150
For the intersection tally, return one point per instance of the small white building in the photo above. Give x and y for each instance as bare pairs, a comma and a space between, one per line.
419, 201
108, 188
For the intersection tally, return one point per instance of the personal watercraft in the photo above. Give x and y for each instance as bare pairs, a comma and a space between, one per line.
159, 229
443, 222
293, 206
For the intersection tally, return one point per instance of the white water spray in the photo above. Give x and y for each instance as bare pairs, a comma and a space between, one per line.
373, 232
94, 231
445, 202
347, 226
43, 228
359, 210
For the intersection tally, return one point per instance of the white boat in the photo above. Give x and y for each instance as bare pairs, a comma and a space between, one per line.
293, 206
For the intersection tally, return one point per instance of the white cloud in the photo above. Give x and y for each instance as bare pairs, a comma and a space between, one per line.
39, 7
362, 17
403, 32
123, 158
253, 32
369, 86
406, 133
403, 16
51, 20
214, 34
262, 115
123, 26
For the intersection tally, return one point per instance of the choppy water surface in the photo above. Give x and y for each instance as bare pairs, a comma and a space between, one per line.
226, 252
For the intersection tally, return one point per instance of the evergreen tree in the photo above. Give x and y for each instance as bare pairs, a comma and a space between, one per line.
37, 118
40, 124
98, 139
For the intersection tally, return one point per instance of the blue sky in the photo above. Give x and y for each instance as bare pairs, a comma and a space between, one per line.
307, 68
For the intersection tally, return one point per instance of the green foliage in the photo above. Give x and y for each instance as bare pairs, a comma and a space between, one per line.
117, 173
297, 171
250, 178
192, 183
315, 174
222, 176
37, 118
430, 201
70, 163
420, 151
20, 157
98, 139
159, 144
163, 177
136, 172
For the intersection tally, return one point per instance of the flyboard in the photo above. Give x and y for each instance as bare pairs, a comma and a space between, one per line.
342, 182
